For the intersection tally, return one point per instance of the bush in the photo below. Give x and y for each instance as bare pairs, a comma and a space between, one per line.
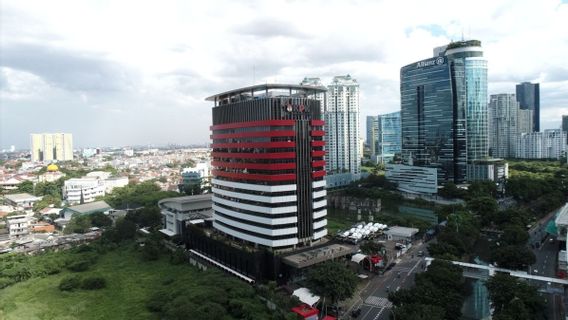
79, 266
177, 257
5, 282
93, 283
69, 283
151, 251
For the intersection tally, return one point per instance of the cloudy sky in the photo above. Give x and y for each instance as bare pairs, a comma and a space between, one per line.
118, 73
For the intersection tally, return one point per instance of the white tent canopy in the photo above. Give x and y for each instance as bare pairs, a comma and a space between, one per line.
306, 296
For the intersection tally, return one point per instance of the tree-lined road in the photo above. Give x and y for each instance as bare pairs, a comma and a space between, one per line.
373, 302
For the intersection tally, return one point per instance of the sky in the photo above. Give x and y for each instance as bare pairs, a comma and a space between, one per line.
119, 73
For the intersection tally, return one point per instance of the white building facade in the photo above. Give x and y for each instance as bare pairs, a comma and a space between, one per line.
503, 123
550, 144
342, 152
84, 190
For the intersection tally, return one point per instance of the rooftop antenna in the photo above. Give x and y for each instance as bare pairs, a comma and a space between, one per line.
253, 74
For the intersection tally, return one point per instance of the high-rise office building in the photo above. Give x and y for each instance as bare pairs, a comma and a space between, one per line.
432, 121
528, 95
51, 146
503, 112
388, 137
444, 111
565, 124
372, 133
343, 161
268, 177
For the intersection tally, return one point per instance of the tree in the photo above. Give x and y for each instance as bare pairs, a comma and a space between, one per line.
440, 287
513, 257
485, 207
482, 189
450, 190
332, 280
126, 229
146, 217
513, 299
100, 220
418, 311
26, 187
515, 235
371, 247
192, 189
78, 224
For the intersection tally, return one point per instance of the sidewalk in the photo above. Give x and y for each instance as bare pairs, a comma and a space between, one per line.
356, 300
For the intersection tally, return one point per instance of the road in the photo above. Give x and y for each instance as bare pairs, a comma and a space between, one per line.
546, 253
373, 302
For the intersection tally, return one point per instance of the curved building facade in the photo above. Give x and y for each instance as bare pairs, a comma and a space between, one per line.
268, 168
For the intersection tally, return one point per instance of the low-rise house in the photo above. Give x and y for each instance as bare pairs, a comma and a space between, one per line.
84, 209
43, 227
398, 233
18, 225
21, 200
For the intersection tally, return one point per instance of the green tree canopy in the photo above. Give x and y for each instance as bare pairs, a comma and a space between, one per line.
332, 280
513, 299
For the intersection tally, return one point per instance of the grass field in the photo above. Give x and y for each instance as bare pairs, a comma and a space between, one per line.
130, 283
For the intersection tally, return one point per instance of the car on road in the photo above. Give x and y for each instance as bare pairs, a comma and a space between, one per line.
420, 253
390, 266
356, 313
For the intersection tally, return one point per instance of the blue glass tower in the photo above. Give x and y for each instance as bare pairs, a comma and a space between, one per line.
388, 136
444, 111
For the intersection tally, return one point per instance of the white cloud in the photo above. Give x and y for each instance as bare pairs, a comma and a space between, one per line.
157, 61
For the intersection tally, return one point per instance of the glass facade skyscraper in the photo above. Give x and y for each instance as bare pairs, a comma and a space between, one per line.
528, 95
433, 117
444, 111
388, 136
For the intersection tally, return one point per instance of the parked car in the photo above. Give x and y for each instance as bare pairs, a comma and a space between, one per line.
356, 313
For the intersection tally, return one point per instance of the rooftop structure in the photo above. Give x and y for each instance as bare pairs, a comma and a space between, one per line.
179, 210
87, 208
24, 200
317, 255
265, 90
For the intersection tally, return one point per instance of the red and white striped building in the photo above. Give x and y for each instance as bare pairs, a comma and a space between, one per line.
268, 176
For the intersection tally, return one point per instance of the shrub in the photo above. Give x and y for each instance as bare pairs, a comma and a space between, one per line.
93, 283
5, 282
69, 283
78, 266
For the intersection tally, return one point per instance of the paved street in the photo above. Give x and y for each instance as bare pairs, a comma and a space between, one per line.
546, 253
373, 302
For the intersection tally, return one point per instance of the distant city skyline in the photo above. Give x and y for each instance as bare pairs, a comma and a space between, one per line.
104, 73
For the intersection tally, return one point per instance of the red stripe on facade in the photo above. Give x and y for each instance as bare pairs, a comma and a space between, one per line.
252, 124
318, 153
243, 155
275, 144
318, 163
273, 133
259, 166
319, 143
256, 177
318, 174
317, 133
317, 122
